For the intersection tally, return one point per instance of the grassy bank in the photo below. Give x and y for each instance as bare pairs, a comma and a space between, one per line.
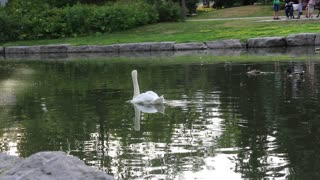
242, 11
195, 30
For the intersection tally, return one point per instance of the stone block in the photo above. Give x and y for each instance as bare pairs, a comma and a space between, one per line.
16, 50
79, 49
190, 46
32, 49
93, 49
106, 48
225, 44
267, 42
59, 48
303, 39
135, 47
317, 40
162, 46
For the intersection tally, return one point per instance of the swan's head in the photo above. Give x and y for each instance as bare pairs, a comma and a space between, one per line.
134, 73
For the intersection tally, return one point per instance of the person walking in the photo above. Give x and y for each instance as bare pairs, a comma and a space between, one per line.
310, 6
307, 9
276, 7
300, 7
289, 9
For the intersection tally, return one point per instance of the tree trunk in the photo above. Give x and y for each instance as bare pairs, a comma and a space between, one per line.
183, 10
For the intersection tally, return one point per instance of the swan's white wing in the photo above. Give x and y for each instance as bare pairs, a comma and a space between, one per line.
148, 97
159, 100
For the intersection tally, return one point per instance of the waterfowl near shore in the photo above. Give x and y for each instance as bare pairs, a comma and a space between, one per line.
290, 72
148, 97
254, 72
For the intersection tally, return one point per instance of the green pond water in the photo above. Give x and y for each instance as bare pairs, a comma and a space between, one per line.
218, 123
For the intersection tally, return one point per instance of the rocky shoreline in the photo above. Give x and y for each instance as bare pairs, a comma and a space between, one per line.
302, 39
48, 165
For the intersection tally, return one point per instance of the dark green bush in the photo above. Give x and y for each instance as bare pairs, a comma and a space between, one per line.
120, 16
13, 28
72, 21
191, 6
77, 19
168, 11
50, 24
26, 8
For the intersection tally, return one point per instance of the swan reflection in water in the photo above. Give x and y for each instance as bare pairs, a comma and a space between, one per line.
148, 102
143, 108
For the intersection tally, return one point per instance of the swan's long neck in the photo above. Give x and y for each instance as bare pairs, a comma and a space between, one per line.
136, 89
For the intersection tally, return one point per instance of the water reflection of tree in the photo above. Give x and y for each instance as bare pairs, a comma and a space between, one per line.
299, 123
14, 78
88, 115
264, 105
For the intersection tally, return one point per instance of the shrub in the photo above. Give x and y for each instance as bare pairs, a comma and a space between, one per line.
192, 6
120, 16
77, 19
13, 27
168, 11
50, 24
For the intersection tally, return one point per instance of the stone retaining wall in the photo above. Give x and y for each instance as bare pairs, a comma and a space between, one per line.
303, 39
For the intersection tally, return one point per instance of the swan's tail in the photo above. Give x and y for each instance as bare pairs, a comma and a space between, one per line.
159, 100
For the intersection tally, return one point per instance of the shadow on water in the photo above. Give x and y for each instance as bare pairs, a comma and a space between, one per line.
218, 120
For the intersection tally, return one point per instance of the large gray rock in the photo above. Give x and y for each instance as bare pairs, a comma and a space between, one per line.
22, 49
190, 46
59, 48
16, 49
224, 44
162, 46
52, 166
79, 49
7, 162
266, 42
134, 47
317, 40
33, 50
303, 39
92, 49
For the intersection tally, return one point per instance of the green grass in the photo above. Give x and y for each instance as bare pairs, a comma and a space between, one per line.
242, 11
193, 31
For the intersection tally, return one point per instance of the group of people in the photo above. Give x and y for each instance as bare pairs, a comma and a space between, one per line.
289, 9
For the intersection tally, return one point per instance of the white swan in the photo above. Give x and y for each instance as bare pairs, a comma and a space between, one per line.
148, 97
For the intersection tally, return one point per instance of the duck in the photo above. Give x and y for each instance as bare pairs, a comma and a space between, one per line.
294, 73
145, 98
254, 72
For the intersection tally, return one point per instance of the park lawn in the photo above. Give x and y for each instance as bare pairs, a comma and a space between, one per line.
190, 31
242, 11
